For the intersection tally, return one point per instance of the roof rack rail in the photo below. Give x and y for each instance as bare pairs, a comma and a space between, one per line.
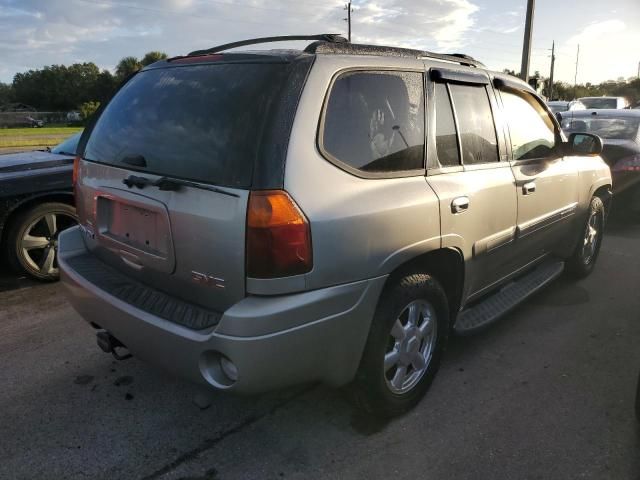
325, 37
362, 49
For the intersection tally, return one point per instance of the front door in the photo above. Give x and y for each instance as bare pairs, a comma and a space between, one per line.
547, 185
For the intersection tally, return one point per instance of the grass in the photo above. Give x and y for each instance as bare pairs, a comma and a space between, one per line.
35, 137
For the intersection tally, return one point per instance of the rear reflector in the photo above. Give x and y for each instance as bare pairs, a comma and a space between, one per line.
278, 236
76, 166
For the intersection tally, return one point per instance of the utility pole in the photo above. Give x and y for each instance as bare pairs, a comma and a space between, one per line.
526, 46
553, 62
575, 79
639, 70
348, 8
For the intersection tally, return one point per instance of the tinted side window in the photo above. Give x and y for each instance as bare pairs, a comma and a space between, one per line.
531, 129
475, 124
374, 121
446, 139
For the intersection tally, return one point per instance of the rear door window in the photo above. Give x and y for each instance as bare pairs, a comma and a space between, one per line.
475, 124
374, 122
201, 123
531, 129
446, 138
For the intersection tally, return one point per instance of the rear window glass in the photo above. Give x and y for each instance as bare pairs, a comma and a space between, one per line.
201, 123
375, 121
613, 128
600, 102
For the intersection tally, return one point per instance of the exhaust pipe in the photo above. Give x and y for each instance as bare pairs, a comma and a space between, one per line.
108, 344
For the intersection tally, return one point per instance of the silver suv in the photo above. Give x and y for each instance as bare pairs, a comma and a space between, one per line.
253, 220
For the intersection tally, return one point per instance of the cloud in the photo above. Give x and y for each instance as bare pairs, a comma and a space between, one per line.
608, 46
34, 33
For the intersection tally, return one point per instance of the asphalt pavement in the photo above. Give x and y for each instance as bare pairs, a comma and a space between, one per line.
546, 393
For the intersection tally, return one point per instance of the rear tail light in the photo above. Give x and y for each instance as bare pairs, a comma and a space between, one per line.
628, 164
278, 236
75, 176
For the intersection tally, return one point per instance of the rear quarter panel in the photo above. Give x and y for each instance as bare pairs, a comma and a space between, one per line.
361, 228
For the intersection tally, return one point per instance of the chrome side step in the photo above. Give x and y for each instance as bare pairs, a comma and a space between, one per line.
478, 316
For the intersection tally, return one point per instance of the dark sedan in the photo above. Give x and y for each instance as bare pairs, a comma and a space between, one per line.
620, 133
36, 204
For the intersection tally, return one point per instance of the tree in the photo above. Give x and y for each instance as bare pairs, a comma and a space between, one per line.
6, 93
152, 57
127, 66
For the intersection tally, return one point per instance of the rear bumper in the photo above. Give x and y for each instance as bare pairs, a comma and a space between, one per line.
273, 341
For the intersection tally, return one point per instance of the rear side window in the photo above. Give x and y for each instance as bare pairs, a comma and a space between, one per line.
201, 123
475, 124
374, 121
531, 129
446, 139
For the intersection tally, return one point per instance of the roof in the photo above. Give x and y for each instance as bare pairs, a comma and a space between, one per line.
321, 44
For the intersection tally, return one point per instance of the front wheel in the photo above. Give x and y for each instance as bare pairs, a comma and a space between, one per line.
583, 259
32, 240
402, 355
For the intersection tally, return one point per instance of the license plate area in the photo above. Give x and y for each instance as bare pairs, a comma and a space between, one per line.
133, 226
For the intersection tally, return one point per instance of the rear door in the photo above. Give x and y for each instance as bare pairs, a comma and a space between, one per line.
475, 188
547, 185
165, 178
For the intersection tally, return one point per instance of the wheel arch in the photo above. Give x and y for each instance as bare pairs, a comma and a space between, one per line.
446, 265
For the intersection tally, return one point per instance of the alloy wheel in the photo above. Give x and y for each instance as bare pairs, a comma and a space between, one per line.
410, 347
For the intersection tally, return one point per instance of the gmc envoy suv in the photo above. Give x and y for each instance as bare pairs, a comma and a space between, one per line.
257, 219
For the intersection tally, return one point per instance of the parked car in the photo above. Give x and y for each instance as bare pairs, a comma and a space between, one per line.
620, 133
259, 219
563, 106
604, 102
34, 122
36, 204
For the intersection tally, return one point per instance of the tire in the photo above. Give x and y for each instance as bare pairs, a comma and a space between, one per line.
32, 246
583, 259
379, 389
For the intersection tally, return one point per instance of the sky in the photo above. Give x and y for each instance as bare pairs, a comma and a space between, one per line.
35, 33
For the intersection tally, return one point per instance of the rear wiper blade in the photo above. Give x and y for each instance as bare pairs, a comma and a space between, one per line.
171, 184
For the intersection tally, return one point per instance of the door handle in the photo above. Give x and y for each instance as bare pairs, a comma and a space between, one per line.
460, 204
528, 188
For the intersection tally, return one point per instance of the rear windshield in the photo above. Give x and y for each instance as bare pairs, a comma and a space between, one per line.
600, 102
611, 128
201, 123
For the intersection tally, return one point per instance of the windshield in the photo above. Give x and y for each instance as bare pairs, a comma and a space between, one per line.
600, 102
69, 146
201, 123
612, 128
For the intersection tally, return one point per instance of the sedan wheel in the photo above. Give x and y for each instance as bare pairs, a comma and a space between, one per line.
34, 239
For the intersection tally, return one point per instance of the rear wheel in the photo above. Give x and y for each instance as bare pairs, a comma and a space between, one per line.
404, 347
32, 240
583, 259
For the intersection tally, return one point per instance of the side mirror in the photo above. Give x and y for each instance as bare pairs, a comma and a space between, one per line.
584, 144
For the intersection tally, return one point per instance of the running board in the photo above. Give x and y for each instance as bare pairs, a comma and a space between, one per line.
477, 317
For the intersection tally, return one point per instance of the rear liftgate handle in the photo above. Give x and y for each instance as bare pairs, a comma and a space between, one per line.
460, 204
